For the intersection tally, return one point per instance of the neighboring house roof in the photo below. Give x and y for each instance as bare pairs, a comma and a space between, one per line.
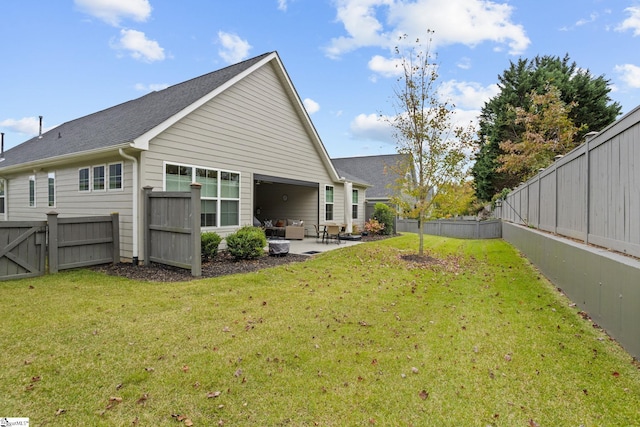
377, 171
136, 122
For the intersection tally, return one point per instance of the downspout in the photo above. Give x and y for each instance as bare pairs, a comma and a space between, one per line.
135, 205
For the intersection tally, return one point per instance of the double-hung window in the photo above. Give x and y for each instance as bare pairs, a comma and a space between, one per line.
32, 190
115, 176
328, 203
99, 178
51, 189
354, 204
83, 179
219, 194
3, 209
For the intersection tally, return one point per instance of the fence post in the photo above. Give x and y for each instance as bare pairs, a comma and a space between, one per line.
587, 202
196, 248
147, 220
115, 231
52, 221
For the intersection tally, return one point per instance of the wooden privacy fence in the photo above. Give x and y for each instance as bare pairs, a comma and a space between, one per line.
460, 229
67, 243
172, 228
591, 194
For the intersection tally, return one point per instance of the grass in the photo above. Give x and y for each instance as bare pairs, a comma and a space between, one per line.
352, 337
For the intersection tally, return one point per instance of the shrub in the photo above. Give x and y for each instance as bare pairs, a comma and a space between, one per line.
209, 242
355, 230
247, 243
373, 226
385, 215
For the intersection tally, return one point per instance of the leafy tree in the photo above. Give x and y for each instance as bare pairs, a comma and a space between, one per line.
385, 215
548, 131
424, 131
455, 199
588, 95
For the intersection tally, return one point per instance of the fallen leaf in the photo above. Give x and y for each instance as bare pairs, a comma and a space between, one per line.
188, 422
423, 395
238, 373
135, 421
35, 379
374, 362
60, 411
149, 369
143, 398
507, 358
213, 394
414, 370
185, 368
533, 423
29, 387
115, 399
616, 374
119, 386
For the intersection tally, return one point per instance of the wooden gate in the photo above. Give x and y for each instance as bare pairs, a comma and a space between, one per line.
22, 249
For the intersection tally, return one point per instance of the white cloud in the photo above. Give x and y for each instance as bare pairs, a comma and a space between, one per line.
630, 74
386, 67
26, 125
113, 11
282, 5
468, 95
139, 46
234, 49
371, 127
311, 106
468, 22
150, 87
464, 63
632, 22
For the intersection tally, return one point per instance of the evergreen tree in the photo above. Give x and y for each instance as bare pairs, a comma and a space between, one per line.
589, 95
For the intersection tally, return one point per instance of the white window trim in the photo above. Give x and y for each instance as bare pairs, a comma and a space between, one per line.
332, 203
218, 199
108, 177
55, 189
357, 192
89, 183
5, 214
92, 177
32, 178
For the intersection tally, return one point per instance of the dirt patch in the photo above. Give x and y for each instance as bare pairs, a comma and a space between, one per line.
419, 259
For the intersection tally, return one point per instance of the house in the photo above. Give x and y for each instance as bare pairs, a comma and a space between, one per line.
241, 132
381, 172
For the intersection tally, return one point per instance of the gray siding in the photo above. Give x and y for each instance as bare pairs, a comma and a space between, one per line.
69, 201
250, 128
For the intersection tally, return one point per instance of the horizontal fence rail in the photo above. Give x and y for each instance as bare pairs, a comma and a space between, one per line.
592, 194
460, 229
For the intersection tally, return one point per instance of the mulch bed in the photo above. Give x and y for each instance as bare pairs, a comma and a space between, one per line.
221, 265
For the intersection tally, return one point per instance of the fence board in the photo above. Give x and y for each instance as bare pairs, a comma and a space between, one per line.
172, 228
591, 194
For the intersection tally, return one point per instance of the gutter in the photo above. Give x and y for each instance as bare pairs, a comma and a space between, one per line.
135, 209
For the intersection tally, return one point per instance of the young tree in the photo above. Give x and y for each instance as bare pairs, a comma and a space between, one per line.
547, 132
424, 130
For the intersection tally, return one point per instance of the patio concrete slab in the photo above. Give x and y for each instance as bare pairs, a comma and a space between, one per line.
312, 246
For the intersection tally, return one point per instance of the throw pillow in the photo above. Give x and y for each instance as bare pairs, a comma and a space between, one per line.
268, 223
280, 223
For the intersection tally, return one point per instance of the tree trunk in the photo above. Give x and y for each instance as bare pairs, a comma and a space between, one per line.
421, 234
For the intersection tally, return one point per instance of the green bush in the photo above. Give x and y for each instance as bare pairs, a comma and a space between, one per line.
209, 242
247, 243
385, 216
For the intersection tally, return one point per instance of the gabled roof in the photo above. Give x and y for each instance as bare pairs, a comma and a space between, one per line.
377, 171
134, 123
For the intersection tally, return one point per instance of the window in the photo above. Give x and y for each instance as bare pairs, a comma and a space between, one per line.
32, 190
98, 178
83, 179
219, 194
354, 205
2, 197
51, 184
328, 203
115, 176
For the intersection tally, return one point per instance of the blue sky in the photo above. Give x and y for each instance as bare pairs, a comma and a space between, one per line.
68, 58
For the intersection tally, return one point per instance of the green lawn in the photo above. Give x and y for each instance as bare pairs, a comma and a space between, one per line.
351, 337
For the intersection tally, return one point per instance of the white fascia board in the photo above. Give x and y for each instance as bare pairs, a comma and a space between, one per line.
61, 160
